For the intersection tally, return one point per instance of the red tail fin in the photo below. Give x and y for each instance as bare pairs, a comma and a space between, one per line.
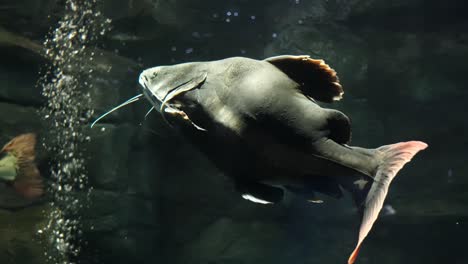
394, 158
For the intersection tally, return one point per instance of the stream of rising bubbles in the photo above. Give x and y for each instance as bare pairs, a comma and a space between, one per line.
66, 85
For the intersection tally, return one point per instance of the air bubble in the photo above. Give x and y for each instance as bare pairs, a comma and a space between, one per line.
66, 113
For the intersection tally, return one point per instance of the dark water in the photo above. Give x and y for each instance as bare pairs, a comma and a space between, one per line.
155, 199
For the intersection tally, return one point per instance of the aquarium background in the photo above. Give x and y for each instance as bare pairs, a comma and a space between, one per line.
149, 197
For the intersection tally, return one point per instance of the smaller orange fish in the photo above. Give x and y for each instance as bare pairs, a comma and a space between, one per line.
18, 168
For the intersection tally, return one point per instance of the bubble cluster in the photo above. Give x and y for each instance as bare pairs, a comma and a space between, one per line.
228, 15
67, 112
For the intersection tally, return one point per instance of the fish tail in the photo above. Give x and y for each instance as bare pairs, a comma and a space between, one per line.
394, 157
28, 181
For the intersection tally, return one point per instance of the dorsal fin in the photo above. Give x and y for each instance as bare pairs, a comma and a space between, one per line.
316, 78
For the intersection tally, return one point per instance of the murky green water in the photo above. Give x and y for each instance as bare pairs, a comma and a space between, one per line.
132, 190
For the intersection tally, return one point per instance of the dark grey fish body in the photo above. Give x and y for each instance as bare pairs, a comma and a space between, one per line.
247, 108
258, 121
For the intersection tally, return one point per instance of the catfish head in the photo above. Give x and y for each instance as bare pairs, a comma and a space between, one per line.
174, 90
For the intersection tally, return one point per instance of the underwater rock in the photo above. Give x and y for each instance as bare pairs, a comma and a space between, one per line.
99, 201
33, 18
108, 64
113, 211
125, 9
145, 170
119, 221
8, 38
343, 10
227, 241
112, 142
112, 71
18, 87
329, 41
100, 61
18, 77
361, 7
20, 238
176, 13
133, 245
25, 119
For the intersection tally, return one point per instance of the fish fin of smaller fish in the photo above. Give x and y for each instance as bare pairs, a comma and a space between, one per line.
395, 156
28, 181
22, 146
8, 167
259, 193
315, 77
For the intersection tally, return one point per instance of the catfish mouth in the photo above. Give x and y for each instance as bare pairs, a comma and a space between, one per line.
164, 100
165, 103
